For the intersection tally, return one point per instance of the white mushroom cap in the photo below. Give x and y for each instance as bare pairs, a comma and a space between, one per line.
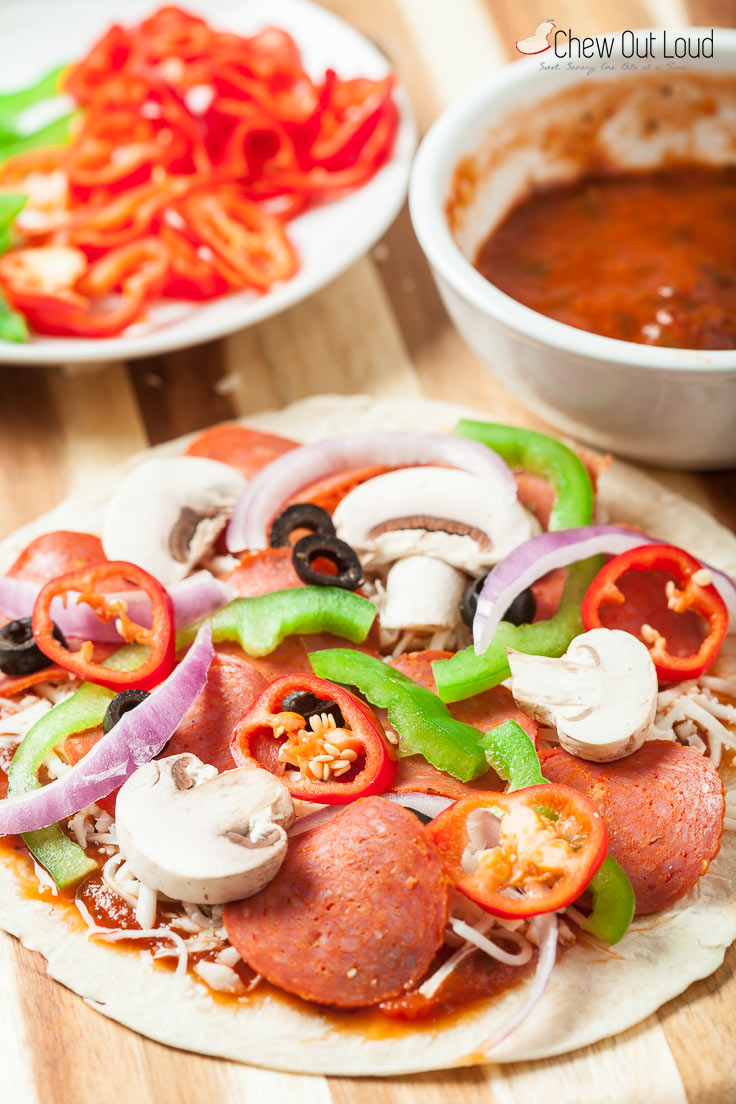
202, 837
422, 593
601, 696
442, 512
167, 513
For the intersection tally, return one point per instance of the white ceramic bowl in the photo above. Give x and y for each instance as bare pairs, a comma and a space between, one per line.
672, 407
329, 238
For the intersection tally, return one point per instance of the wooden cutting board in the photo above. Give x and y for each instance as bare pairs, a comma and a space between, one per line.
380, 328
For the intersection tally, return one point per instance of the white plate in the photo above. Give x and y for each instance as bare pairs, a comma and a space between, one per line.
38, 34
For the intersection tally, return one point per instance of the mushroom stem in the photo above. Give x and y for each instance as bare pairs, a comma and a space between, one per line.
423, 593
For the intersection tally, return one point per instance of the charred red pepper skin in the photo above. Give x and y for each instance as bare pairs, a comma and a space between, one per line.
448, 832
703, 600
377, 774
160, 637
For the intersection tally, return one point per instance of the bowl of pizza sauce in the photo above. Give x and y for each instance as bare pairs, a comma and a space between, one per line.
579, 228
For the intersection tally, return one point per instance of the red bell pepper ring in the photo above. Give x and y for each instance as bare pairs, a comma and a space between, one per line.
137, 270
317, 761
666, 598
527, 852
87, 583
250, 247
191, 276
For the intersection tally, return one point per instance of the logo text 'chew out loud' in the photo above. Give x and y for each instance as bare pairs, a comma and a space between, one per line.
651, 45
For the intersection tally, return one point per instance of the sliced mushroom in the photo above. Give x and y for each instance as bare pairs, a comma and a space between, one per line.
202, 837
167, 514
441, 512
601, 696
422, 593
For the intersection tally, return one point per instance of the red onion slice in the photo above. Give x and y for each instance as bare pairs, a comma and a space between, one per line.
430, 805
560, 548
313, 820
194, 598
280, 480
137, 737
546, 927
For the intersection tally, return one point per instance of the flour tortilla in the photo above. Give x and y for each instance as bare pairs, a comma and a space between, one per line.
595, 992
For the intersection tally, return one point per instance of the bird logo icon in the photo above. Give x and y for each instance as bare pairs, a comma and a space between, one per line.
539, 41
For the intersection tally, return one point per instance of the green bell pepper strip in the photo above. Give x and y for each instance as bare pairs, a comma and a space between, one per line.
11, 206
423, 723
55, 133
513, 756
542, 455
65, 860
12, 324
613, 902
46, 88
467, 674
260, 624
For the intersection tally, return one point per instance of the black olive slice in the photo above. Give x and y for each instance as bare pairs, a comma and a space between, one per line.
302, 515
122, 703
317, 546
425, 818
19, 652
469, 601
522, 609
309, 705
520, 612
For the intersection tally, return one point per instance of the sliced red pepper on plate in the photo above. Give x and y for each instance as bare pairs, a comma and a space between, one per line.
666, 598
88, 583
191, 276
250, 247
137, 270
317, 757
521, 853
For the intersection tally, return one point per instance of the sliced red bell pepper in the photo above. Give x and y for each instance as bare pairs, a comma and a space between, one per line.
249, 246
137, 270
111, 52
318, 760
191, 275
125, 217
88, 583
521, 853
666, 598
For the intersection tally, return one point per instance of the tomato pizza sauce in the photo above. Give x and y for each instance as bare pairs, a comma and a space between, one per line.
648, 257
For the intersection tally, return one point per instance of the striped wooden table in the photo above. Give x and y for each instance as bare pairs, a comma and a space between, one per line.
380, 328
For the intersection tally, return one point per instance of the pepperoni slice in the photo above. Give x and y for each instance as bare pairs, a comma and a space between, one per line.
330, 491
415, 775
663, 807
356, 913
262, 572
12, 685
232, 686
247, 450
535, 493
56, 553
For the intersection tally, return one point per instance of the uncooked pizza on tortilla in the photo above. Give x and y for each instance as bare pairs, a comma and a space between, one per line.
367, 738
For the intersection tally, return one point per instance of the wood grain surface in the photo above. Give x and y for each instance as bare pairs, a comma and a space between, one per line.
379, 328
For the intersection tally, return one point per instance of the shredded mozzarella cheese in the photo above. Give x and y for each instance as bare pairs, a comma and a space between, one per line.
475, 937
691, 713
219, 976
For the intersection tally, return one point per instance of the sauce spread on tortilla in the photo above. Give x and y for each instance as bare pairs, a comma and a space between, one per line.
640, 256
